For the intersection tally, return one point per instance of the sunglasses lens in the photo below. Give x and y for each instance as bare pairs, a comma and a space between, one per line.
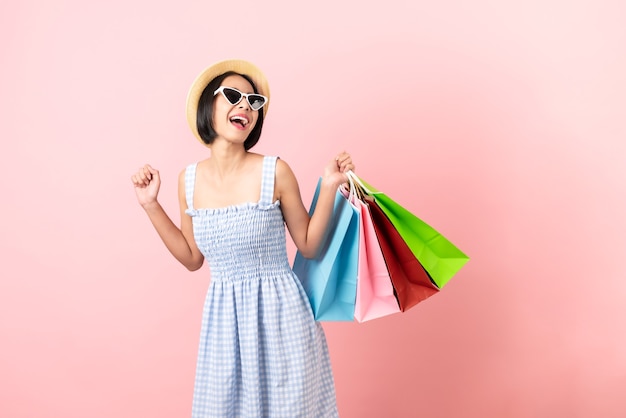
233, 96
256, 101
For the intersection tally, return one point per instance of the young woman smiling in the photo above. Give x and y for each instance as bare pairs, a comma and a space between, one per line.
261, 352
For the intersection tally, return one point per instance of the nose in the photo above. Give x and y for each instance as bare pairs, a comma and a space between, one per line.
243, 103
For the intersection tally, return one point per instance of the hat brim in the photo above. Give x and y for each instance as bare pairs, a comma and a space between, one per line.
217, 69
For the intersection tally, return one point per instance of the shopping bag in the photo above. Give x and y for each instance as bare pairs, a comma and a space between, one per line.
411, 282
330, 279
439, 257
375, 297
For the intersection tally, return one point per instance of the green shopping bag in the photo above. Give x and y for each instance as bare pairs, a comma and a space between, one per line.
439, 257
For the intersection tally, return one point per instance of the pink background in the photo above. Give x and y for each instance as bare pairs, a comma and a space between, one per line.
499, 123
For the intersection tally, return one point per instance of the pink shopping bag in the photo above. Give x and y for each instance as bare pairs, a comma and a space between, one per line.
375, 296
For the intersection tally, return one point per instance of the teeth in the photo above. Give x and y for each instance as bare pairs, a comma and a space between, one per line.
243, 120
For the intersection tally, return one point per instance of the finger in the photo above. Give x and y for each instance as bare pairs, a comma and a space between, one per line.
342, 161
147, 172
342, 156
141, 178
345, 163
146, 176
137, 181
153, 172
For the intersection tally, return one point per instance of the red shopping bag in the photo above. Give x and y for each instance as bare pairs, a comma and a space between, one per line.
410, 281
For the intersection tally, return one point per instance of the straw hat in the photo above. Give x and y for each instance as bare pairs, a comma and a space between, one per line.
219, 68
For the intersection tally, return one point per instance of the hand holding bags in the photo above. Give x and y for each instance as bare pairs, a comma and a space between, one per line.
379, 258
330, 280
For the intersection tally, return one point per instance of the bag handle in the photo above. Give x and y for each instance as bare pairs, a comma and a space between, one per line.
352, 192
355, 179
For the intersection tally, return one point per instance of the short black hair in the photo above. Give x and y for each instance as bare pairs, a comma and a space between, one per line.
204, 117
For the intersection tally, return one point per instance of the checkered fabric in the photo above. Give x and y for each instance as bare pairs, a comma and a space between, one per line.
261, 353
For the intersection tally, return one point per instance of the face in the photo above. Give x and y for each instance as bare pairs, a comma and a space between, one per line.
234, 122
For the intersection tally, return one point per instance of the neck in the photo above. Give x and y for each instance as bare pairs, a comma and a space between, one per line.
227, 158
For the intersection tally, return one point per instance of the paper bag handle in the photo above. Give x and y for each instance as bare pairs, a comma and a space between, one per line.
355, 179
353, 192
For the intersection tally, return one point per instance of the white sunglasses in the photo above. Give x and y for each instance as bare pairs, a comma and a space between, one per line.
234, 96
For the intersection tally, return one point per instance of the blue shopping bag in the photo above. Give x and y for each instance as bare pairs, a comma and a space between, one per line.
330, 279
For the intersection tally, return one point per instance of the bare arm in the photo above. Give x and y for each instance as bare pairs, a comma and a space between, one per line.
308, 232
179, 241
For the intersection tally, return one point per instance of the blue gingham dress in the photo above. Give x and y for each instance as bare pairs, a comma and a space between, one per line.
261, 353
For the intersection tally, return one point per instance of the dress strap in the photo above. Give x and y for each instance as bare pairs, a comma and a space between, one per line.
267, 184
190, 183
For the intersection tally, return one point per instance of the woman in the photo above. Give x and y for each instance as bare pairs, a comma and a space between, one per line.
261, 352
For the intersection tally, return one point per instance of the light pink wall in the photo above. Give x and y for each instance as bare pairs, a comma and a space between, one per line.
501, 125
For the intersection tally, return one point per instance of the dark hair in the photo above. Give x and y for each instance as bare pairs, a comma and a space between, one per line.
204, 117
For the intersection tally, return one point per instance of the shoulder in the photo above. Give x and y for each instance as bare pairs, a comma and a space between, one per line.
283, 169
286, 182
186, 169
252, 161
